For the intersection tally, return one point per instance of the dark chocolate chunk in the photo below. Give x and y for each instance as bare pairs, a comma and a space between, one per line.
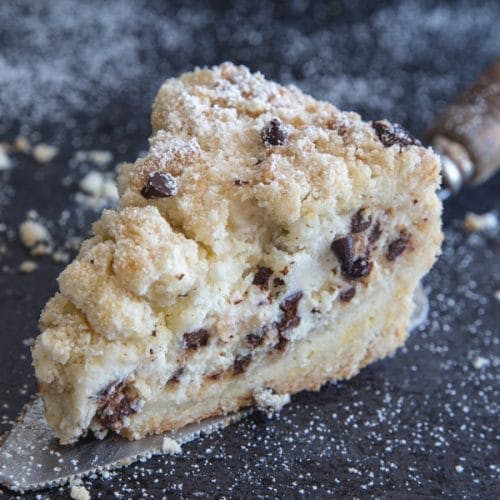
274, 134
343, 248
375, 233
359, 223
160, 185
290, 318
398, 246
261, 278
241, 363
390, 134
239, 182
347, 295
196, 339
115, 403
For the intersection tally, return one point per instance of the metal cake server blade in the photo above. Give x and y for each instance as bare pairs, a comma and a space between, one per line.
31, 457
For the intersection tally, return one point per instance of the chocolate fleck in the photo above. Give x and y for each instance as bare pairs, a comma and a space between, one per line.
261, 278
174, 379
359, 223
256, 338
398, 246
278, 282
160, 185
241, 364
239, 182
282, 343
290, 318
375, 233
390, 134
196, 339
274, 134
347, 295
115, 403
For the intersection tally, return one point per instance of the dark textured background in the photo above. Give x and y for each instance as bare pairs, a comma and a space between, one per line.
83, 76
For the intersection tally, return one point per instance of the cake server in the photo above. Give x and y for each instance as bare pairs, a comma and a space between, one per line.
466, 135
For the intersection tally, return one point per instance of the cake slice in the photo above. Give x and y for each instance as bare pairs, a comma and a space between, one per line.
267, 243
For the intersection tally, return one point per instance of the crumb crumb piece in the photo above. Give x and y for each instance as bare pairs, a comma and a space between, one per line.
40, 249
5, 161
43, 153
459, 468
22, 145
171, 446
29, 341
28, 266
480, 362
73, 243
99, 188
98, 157
79, 492
497, 295
32, 232
480, 222
60, 257
270, 402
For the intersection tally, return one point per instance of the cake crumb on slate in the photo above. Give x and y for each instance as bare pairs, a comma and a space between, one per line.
5, 161
79, 492
480, 222
497, 295
44, 153
21, 144
98, 189
100, 158
32, 232
171, 446
270, 402
480, 362
28, 266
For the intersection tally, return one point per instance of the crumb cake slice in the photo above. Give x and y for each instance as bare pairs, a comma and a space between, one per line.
267, 243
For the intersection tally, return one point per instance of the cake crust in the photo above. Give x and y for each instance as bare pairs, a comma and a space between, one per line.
267, 241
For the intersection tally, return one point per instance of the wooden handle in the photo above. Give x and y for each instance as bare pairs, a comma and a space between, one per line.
468, 130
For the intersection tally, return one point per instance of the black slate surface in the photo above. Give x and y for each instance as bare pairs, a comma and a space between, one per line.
424, 423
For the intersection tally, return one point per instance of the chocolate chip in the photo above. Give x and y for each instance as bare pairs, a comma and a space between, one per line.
274, 134
160, 185
261, 278
290, 318
359, 223
239, 182
241, 364
390, 134
343, 248
196, 339
347, 295
375, 233
398, 246
115, 403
